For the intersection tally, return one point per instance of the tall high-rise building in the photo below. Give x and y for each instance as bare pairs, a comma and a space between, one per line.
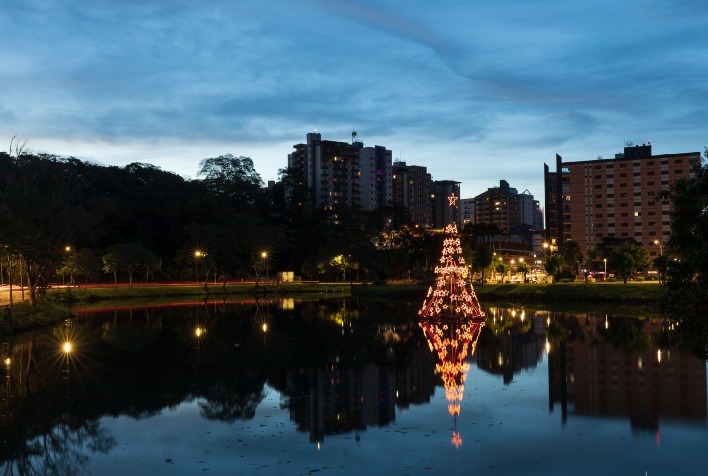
505, 207
442, 211
411, 190
343, 174
592, 199
467, 210
376, 176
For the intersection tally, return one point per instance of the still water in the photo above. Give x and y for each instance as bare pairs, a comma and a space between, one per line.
348, 387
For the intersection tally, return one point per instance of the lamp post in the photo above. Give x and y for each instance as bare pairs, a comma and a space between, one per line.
197, 256
264, 257
604, 276
661, 248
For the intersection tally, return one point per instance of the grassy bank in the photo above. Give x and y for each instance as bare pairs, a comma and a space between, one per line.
74, 295
23, 317
645, 293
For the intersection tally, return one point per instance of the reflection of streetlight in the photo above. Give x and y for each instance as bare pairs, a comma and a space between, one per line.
67, 347
605, 275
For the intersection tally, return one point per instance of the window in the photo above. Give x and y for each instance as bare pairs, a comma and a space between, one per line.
598, 215
623, 166
599, 205
650, 184
623, 214
678, 161
609, 176
623, 185
623, 175
649, 164
598, 186
651, 172
598, 176
679, 171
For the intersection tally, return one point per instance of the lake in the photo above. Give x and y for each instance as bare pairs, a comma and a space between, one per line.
350, 387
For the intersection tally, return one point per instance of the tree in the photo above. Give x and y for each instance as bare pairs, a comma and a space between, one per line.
587, 261
231, 178
39, 211
128, 257
483, 257
553, 263
524, 268
628, 257
686, 268
502, 269
572, 255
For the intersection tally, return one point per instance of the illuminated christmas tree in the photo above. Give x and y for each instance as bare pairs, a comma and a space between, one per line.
450, 297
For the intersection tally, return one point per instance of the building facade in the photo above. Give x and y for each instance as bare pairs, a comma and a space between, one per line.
505, 207
343, 174
587, 201
467, 210
442, 211
411, 187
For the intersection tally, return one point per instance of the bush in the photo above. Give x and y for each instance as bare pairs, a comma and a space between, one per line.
640, 278
564, 280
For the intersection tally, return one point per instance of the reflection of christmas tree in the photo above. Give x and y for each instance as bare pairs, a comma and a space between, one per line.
452, 320
450, 297
453, 340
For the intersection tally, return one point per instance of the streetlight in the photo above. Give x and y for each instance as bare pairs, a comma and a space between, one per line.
264, 257
661, 248
198, 254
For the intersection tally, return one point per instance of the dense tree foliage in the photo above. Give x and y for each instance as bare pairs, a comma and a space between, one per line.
65, 218
685, 262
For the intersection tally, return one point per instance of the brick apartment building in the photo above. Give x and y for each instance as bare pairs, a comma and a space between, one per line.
589, 200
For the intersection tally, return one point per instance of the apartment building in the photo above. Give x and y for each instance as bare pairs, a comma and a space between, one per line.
411, 186
344, 174
589, 200
505, 207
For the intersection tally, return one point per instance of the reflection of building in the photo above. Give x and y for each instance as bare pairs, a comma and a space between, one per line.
645, 386
518, 344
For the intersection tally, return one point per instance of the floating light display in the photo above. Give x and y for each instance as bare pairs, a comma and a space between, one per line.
450, 297
452, 320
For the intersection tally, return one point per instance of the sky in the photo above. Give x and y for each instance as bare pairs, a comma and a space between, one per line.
476, 91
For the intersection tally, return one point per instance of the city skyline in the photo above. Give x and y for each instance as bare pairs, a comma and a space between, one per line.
475, 93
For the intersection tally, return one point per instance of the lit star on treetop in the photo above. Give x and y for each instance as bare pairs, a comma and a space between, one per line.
453, 200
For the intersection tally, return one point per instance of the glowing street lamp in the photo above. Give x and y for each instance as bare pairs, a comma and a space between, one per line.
605, 275
198, 254
661, 248
66, 347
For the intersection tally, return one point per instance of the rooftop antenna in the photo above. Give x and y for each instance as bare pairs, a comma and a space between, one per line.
354, 137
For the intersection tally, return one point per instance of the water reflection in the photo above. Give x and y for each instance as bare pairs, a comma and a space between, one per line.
338, 367
453, 340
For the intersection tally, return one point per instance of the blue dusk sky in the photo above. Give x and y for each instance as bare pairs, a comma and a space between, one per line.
475, 90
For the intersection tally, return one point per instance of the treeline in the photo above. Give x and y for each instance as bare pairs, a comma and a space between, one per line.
66, 219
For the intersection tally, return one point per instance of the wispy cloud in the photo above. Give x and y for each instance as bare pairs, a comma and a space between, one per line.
451, 84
